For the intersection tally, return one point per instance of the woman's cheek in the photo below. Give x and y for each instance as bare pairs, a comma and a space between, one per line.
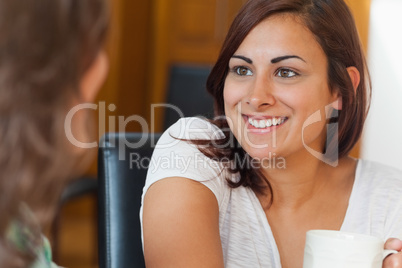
233, 94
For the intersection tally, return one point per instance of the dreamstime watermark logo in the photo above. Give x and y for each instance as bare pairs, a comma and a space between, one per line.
190, 129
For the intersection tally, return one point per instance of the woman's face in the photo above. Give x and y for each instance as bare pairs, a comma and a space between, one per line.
276, 84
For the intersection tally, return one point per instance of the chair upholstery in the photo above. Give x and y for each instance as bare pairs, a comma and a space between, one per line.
187, 91
119, 197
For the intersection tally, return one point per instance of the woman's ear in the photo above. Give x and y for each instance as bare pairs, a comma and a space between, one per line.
94, 77
354, 75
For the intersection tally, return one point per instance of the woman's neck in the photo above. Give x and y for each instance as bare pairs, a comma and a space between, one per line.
304, 178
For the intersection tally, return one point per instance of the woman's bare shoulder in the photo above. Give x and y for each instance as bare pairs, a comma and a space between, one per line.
181, 225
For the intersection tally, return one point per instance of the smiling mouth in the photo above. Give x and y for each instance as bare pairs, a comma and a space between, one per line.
266, 123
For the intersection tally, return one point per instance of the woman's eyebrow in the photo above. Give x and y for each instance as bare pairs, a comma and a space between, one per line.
278, 59
248, 60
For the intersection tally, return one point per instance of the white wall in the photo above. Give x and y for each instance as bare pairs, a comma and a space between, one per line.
382, 138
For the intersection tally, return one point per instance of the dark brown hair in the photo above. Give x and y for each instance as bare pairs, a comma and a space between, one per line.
334, 28
45, 48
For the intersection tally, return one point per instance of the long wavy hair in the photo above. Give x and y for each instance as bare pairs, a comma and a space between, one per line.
333, 26
46, 47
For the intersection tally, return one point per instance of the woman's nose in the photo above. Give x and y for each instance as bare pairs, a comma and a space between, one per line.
261, 95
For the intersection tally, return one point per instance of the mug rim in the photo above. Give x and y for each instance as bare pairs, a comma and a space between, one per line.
342, 235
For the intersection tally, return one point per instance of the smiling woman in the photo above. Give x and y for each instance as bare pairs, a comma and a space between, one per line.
290, 83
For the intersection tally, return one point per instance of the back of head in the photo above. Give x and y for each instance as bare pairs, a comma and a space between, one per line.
333, 26
45, 48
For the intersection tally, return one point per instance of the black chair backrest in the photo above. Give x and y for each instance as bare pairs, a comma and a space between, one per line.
123, 161
187, 91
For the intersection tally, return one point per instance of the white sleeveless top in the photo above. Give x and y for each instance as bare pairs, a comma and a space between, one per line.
375, 205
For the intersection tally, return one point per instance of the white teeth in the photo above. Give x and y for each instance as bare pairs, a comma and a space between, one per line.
266, 123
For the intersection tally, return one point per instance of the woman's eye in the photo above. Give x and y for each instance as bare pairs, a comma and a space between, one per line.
286, 73
243, 71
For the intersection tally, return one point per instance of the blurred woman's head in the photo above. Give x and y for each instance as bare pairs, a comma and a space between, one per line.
50, 59
333, 27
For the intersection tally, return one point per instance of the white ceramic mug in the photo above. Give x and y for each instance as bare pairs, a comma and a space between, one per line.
337, 249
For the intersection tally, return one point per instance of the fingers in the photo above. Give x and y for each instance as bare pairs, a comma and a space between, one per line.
393, 243
393, 261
